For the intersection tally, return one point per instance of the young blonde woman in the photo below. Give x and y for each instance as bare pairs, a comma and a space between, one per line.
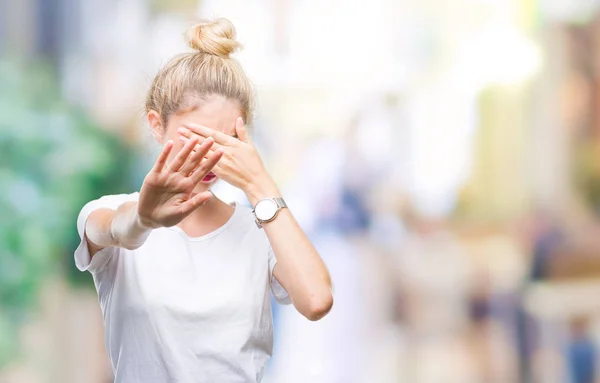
183, 278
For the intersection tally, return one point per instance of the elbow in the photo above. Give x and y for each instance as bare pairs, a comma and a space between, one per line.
319, 307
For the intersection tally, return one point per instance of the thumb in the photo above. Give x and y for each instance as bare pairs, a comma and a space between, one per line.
197, 200
240, 130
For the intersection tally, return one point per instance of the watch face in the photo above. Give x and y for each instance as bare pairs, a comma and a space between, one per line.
265, 209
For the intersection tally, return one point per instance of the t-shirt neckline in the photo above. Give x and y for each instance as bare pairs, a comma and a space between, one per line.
212, 233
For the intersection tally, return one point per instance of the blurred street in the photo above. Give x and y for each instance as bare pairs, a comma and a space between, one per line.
443, 157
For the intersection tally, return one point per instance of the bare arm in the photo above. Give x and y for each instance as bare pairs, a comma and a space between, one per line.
299, 269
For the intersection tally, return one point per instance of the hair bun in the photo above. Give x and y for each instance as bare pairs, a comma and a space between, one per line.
213, 37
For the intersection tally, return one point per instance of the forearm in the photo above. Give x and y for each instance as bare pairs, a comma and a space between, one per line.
121, 228
300, 268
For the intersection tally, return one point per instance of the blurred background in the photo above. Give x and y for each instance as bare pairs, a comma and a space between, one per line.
444, 157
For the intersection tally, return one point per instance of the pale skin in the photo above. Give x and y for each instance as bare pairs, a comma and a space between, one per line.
213, 138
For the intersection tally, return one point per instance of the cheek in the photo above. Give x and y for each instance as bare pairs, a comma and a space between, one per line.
171, 135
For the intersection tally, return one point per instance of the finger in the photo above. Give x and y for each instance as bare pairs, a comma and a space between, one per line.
162, 157
219, 137
241, 131
183, 154
207, 165
185, 140
218, 170
185, 132
196, 201
196, 157
222, 169
224, 172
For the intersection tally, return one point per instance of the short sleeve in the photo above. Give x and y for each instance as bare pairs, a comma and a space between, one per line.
280, 294
82, 253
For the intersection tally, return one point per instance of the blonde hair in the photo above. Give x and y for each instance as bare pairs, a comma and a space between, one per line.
191, 78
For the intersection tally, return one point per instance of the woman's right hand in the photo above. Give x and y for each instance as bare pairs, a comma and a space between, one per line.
166, 196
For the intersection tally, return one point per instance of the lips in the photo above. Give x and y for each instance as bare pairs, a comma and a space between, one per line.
209, 177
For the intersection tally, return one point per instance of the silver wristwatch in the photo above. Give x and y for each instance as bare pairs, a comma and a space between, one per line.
267, 209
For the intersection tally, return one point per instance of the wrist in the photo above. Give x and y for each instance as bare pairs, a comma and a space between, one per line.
260, 188
127, 229
144, 223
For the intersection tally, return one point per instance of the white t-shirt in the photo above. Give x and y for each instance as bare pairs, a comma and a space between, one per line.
182, 309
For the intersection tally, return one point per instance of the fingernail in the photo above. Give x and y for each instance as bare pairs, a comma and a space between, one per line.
183, 130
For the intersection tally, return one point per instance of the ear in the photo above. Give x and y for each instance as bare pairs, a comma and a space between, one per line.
156, 125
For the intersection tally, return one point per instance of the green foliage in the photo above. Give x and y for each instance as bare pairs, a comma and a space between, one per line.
53, 159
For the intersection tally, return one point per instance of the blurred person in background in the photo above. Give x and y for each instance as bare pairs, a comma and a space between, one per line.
581, 352
560, 257
546, 235
334, 185
333, 214
182, 276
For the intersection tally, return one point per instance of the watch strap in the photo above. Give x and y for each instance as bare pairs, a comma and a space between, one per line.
280, 203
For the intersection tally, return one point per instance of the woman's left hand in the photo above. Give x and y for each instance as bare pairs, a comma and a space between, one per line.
241, 165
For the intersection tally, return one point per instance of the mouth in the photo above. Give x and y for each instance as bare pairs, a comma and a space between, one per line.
210, 177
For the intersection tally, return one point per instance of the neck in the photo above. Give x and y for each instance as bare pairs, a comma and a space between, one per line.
206, 218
